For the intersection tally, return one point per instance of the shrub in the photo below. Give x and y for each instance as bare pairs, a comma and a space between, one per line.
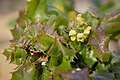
54, 42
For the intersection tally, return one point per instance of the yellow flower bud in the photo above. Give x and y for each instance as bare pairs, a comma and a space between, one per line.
28, 0
79, 15
80, 37
85, 23
80, 20
86, 32
88, 28
72, 33
73, 38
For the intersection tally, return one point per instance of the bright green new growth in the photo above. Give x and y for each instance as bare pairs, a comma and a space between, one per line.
49, 44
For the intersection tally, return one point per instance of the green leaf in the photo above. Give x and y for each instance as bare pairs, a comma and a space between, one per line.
96, 52
51, 20
18, 75
20, 53
17, 32
8, 52
115, 18
107, 6
40, 13
60, 21
19, 56
53, 10
90, 19
64, 66
45, 40
45, 75
54, 52
37, 10
30, 74
75, 45
112, 28
88, 57
56, 60
113, 25
65, 50
32, 6
115, 67
24, 73
55, 49
60, 30
21, 19
105, 57
100, 68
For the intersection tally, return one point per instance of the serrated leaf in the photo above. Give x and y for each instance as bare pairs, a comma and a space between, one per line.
45, 40
56, 60
17, 32
7, 53
21, 20
54, 52
88, 57
64, 66
55, 49
18, 56
24, 73
66, 51
100, 40
18, 75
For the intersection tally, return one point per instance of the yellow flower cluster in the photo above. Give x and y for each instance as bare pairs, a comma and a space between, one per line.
72, 35
80, 36
79, 19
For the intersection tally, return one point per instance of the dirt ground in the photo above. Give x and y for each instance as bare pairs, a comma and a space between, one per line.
5, 36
